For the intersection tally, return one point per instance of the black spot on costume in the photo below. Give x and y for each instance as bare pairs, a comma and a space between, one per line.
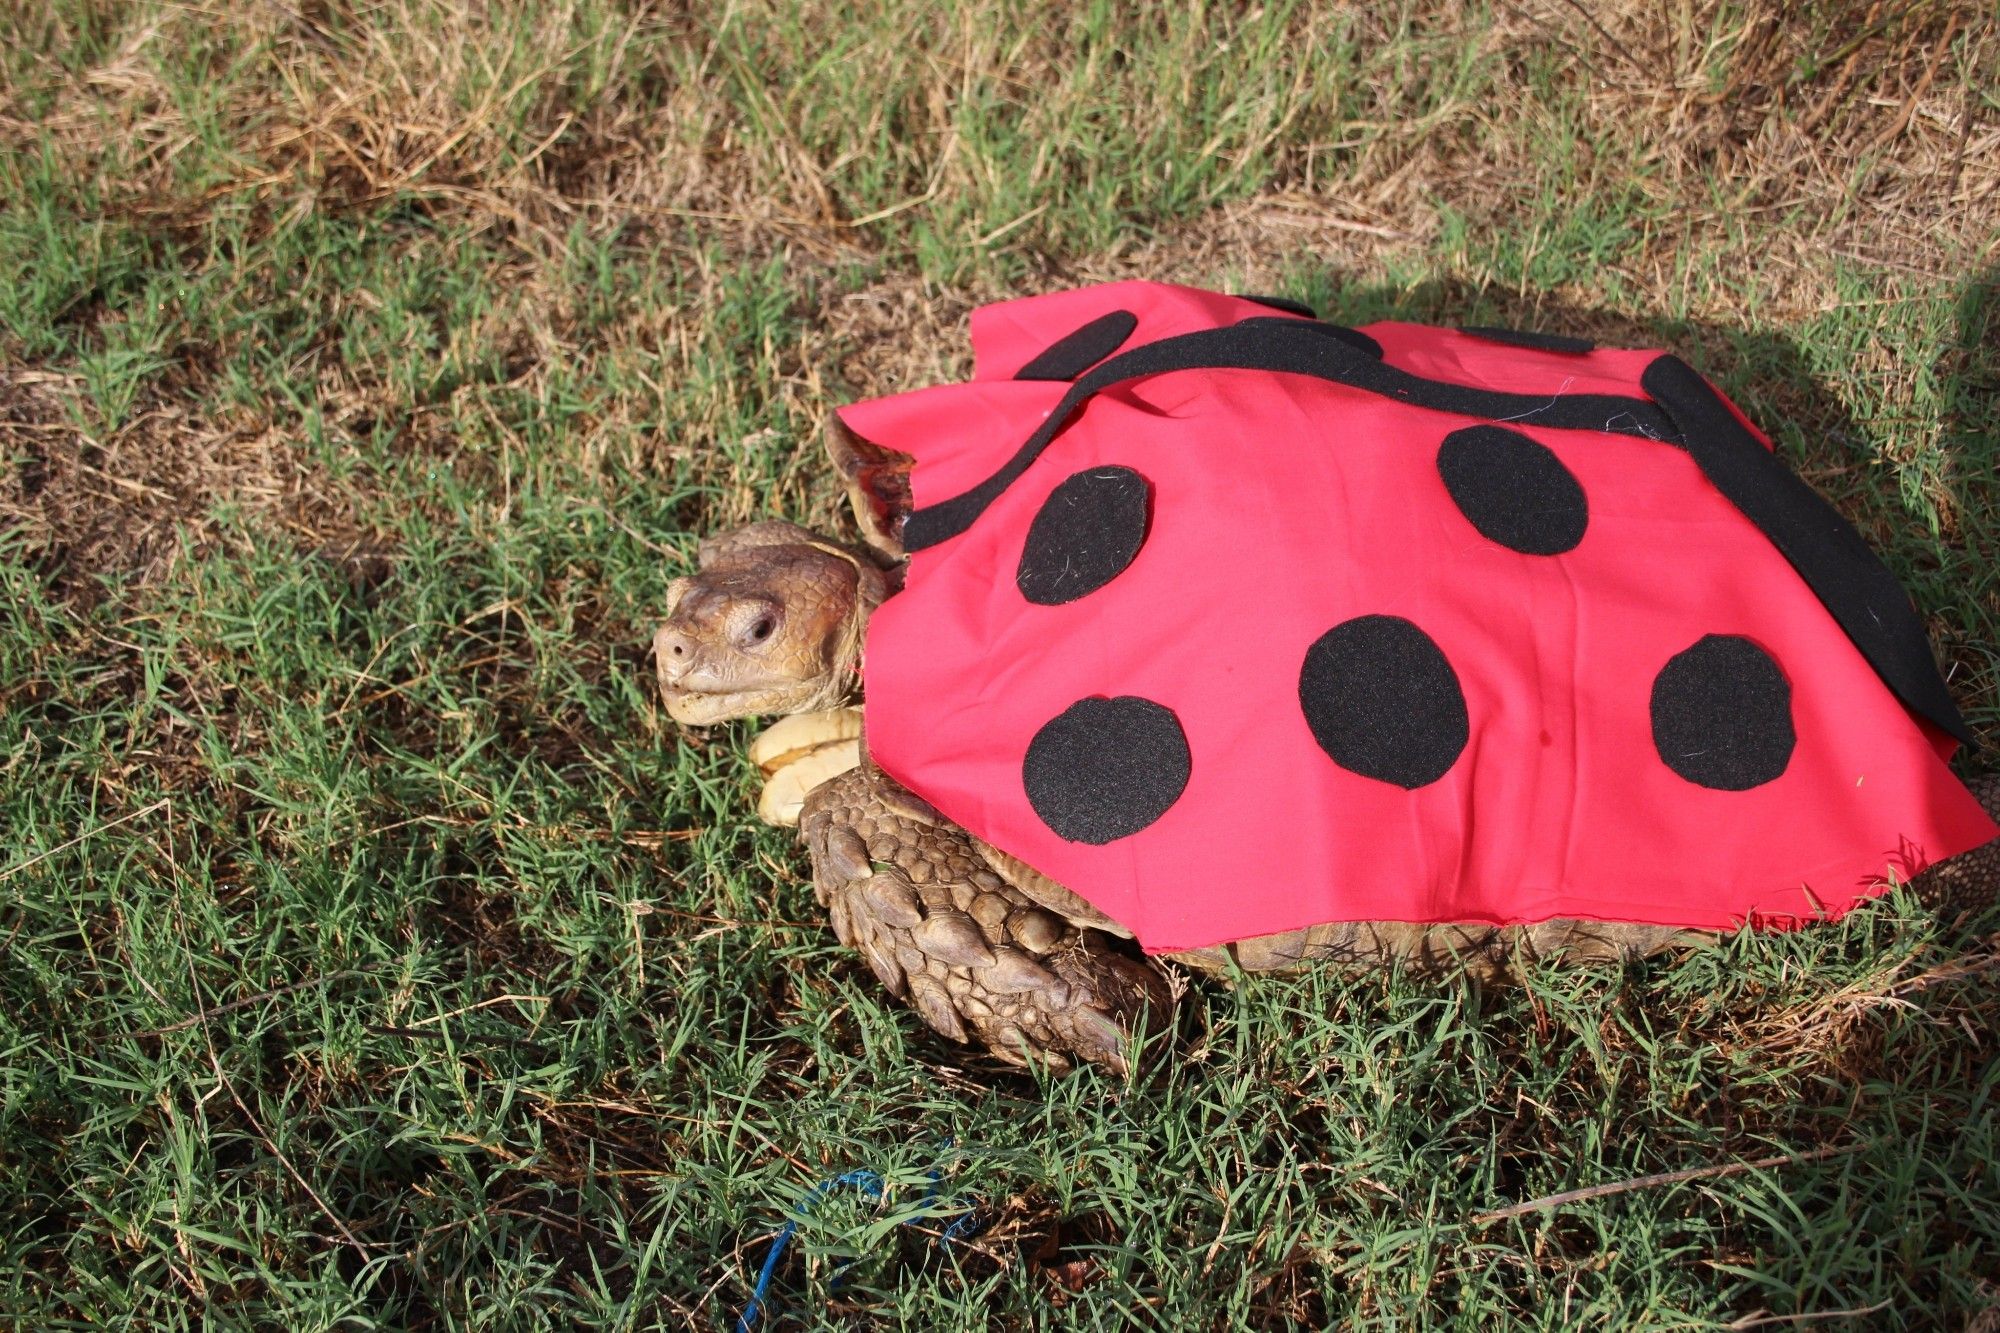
1514, 490
1078, 352
1103, 769
1722, 715
1084, 535
1382, 701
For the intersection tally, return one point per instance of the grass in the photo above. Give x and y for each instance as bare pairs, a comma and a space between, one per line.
374, 954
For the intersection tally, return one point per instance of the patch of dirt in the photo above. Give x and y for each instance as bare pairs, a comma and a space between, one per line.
134, 500
893, 335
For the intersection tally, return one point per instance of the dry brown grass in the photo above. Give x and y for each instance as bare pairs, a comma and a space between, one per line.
136, 499
1867, 126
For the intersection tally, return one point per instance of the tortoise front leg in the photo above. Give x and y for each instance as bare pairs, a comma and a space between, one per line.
799, 752
979, 960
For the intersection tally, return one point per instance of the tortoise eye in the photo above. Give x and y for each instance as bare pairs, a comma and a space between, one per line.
753, 623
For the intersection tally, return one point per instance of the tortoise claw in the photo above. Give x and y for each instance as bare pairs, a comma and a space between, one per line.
979, 960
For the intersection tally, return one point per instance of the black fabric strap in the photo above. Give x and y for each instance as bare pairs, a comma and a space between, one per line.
1834, 560
1283, 303
1353, 337
1296, 347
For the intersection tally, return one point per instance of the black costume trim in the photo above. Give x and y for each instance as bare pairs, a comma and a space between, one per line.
1834, 560
1284, 303
1352, 337
1529, 338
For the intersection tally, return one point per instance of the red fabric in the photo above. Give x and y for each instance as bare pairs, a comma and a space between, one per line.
1284, 505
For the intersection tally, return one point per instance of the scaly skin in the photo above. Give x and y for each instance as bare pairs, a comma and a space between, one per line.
978, 959
1968, 883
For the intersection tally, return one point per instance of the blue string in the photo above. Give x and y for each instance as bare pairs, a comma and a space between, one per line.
964, 1224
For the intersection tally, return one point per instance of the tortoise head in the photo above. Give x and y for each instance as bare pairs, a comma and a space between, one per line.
771, 622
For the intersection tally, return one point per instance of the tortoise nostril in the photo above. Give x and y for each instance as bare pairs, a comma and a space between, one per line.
673, 651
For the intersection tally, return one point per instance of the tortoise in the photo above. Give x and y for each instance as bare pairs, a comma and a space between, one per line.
1196, 628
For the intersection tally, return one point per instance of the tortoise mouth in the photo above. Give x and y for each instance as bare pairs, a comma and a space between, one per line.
704, 708
703, 683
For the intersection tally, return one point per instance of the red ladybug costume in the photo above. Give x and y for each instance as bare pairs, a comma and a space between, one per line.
1235, 622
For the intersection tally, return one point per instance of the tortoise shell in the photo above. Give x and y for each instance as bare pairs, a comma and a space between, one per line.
1236, 622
